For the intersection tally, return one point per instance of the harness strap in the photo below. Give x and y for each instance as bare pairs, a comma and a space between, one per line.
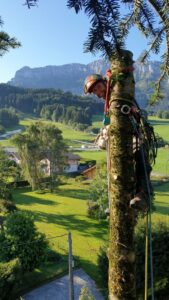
106, 106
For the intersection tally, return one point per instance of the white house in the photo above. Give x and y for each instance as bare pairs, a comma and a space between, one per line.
71, 160
12, 154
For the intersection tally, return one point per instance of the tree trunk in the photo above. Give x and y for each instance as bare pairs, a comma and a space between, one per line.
121, 182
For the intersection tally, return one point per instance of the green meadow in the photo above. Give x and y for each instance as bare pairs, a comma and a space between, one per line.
57, 214
67, 132
64, 211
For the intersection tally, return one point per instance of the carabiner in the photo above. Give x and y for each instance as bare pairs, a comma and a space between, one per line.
125, 109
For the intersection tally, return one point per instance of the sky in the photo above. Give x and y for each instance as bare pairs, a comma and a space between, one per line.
50, 34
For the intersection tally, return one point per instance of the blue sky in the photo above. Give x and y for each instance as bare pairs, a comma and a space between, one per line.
50, 34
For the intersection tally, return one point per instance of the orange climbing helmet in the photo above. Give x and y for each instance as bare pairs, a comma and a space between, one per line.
90, 82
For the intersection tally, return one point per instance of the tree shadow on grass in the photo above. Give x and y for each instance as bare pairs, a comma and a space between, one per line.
74, 193
162, 207
162, 195
70, 222
161, 186
21, 199
159, 122
164, 210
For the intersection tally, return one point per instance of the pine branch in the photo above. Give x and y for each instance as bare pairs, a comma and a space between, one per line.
149, 18
1, 22
144, 18
154, 45
158, 7
77, 4
113, 13
126, 24
6, 42
104, 16
30, 3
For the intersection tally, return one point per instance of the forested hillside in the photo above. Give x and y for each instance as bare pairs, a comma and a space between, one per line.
50, 104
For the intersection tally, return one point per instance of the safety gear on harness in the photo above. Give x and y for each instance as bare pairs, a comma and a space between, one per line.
102, 138
139, 202
90, 82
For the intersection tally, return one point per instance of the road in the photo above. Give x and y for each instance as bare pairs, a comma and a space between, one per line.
58, 289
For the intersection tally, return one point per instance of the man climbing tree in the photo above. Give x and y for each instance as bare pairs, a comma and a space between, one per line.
98, 85
109, 29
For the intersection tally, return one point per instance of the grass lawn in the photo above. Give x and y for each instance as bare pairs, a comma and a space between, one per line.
97, 121
162, 162
57, 214
161, 126
67, 132
99, 156
161, 202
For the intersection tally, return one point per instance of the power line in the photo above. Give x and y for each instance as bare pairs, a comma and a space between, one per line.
37, 241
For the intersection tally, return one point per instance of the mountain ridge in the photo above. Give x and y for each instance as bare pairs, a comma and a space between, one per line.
70, 77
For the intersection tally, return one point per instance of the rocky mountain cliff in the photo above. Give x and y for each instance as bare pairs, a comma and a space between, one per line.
70, 77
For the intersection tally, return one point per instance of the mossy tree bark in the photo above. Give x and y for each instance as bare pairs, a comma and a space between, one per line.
121, 182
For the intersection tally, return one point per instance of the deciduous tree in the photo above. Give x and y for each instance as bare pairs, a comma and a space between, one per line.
41, 141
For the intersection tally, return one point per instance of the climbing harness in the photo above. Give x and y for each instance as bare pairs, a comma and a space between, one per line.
111, 80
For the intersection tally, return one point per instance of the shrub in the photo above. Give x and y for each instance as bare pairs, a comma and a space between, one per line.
85, 294
160, 236
81, 127
23, 241
98, 194
165, 114
5, 192
160, 141
2, 129
7, 206
159, 114
53, 256
93, 209
10, 272
103, 264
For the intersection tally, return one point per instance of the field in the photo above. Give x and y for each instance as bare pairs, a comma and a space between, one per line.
58, 213
68, 133
62, 212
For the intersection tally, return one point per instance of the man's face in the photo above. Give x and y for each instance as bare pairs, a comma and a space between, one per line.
99, 89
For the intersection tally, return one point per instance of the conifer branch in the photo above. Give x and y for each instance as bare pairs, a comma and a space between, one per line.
30, 3
7, 42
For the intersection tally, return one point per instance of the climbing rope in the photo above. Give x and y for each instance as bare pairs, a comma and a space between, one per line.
148, 219
146, 261
149, 224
